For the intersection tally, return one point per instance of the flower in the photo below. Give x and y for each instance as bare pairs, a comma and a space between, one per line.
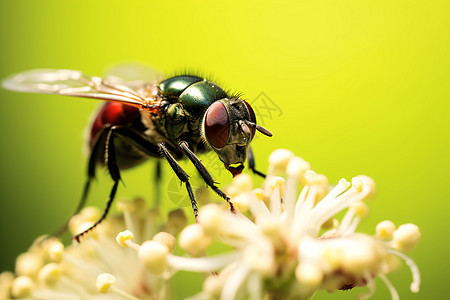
290, 246
98, 264
285, 239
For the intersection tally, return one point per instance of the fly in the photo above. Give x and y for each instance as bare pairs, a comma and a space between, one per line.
173, 119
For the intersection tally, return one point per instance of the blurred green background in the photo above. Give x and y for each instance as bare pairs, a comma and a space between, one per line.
355, 87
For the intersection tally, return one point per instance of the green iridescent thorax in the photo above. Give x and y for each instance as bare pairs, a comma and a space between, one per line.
186, 99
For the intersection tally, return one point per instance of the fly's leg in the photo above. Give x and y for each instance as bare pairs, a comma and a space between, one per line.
251, 163
93, 159
111, 162
103, 216
143, 144
181, 175
204, 173
157, 186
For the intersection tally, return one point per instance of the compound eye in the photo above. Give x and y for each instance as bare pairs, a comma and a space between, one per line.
217, 125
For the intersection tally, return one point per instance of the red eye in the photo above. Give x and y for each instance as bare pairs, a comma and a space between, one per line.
217, 125
252, 116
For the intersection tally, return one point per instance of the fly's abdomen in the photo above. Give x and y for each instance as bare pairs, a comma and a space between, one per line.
112, 113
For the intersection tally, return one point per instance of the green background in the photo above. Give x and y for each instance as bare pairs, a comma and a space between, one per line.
359, 87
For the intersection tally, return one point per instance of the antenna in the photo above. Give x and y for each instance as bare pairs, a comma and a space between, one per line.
259, 128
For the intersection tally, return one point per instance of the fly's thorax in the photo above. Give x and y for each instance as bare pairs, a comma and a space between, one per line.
185, 100
194, 93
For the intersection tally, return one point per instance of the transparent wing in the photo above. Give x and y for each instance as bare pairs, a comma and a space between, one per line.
133, 75
75, 83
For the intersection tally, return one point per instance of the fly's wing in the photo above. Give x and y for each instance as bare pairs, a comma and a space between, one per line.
137, 77
77, 84
133, 75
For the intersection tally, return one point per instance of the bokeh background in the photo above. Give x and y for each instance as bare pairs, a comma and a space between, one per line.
354, 87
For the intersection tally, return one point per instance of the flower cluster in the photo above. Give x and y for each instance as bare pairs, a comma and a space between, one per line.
284, 242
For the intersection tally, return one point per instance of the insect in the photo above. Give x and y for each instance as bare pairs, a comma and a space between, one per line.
172, 119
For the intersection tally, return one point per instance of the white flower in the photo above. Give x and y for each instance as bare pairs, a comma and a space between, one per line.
99, 267
286, 244
281, 247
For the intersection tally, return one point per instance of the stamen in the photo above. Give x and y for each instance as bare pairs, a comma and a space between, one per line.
55, 251
295, 171
122, 293
166, 239
346, 220
212, 287
278, 160
301, 220
177, 220
29, 264
352, 228
260, 258
204, 264
254, 286
104, 281
352, 218
235, 280
22, 287
390, 287
406, 237
309, 274
415, 285
370, 284
127, 208
154, 256
6, 280
218, 223
49, 274
257, 207
329, 207
194, 240
124, 239
69, 284
277, 186
243, 183
385, 230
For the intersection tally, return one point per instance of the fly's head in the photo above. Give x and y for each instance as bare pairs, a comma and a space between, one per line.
229, 126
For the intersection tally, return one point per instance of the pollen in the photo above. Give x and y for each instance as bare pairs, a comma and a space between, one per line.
211, 219
309, 274
104, 282
29, 264
243, 183
124, 205
6, 280
385, 230
297, 167
166, 239
50, 274
277, 183
55, 251
279, 160
123, 237
360, 209
22, 287
194, 240
406, 237
154, 257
